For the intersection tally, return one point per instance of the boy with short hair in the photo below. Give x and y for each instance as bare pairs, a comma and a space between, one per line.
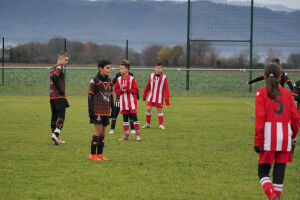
58, 101
99, 103
158, 89
127, 88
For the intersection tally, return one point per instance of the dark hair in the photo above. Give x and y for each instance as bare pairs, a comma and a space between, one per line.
275, 60
272, 73
158, 64
126, 63
102, 63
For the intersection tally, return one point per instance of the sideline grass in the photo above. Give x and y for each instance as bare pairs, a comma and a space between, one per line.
206, 152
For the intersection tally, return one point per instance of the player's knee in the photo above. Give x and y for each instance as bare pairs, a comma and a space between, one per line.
95, 140
101, 139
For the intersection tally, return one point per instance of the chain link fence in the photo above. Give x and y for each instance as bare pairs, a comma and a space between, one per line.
34, 81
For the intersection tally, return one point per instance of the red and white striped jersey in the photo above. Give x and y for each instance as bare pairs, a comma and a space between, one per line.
128, 99
159, 89
276, 120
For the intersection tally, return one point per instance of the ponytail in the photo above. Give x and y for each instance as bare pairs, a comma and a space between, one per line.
272, 73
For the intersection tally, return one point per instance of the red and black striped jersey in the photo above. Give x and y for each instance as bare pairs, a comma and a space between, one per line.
101, 90
57, 83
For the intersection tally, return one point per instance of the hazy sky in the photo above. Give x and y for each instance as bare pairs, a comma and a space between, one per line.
287, 3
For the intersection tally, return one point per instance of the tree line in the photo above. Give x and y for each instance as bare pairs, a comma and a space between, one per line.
202, 54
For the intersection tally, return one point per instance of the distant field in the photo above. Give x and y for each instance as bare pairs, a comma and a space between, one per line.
206, 152
35, 82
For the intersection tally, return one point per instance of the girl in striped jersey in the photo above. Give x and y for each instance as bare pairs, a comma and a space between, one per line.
276, 126
159, 90
127, 88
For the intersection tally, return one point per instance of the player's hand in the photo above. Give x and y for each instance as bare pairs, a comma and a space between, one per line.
257, 149
124, 90
293, 146
247, 83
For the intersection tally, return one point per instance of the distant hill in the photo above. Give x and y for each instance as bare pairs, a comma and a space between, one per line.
143, 22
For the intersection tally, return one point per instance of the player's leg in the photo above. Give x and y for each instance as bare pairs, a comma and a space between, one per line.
125, 127
95, 142
136, 126
59, 126
54, 116
131, 124
101, 142
265, 181
114, 116
148, 117
160, 118
278, 177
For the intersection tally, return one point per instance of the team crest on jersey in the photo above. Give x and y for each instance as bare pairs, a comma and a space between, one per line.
257, 93
98, 118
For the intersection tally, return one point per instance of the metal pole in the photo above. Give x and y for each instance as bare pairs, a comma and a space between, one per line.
188, 47
251, 44
178, 82
3, 61
126, 49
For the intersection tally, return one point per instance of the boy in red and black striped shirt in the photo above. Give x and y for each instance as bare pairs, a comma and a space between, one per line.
58, 101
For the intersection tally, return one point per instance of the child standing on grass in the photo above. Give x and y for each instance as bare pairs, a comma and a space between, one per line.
99, 103
116, 109
276, 125
158, 90
58, 101
127, 88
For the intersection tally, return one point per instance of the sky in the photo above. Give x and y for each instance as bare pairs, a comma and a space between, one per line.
287, 3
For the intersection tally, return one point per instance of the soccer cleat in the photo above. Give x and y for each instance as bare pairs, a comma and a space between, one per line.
102, 158
55, 139
162, 127
146, 126
138, 138
124, 138
111, 131
133, 132
94, 157
60, 141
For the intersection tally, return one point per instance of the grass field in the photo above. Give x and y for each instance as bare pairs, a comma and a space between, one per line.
206, 152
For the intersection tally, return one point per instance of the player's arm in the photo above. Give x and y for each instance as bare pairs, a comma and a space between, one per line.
117, 88
167, 93
260, 78
287, 80
295, 92
54, 77
295, 117
91, 94
147, 89
260, 116
135, 88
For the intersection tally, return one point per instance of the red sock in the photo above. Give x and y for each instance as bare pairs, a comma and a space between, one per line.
148, 117
137, 128
161, 118
126, 128
278, 189
267, 186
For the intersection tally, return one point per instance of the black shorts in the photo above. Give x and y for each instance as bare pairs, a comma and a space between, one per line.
104, 120
58, 104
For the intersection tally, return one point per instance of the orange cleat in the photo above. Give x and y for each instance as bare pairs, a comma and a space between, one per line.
101, 156
94, 157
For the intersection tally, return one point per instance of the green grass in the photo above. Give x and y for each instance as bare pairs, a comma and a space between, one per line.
206, 152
